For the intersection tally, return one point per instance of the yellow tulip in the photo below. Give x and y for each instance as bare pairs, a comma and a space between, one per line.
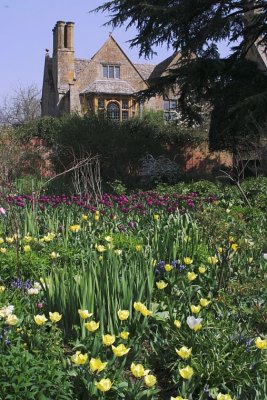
40, 319
168, 267
108, 340
224, 397
1, 240
188, 261
123, 314
3, 250
234, 246
197, 327
186, 372
104, 385
54, 255
91, 326
161, 285
9, 240
261, 343
250, 259
202, 270
2, 289
177, 323
28, 239
124, 335
84, 314
138, 247
96, 218
120, 350
156, 217
55, 316
84, 217
150, 380
78, 358
178, 398
195, 309
138, 370
108, 239
75, 228
184, 352
12, 320
140, 307
231, 239
204, 302
100, 248
191, 276
96, 365
212, 260
27, 248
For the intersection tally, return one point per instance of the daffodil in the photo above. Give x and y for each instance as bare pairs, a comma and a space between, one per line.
204, 302
184, 352
91, 326
201, 270
108, 340
168, 267
120, 350
150, 380
84, 314
78, 358
188, 261
195, 309
161, 285
177, 323
191, 276
55, 316
40, 319
124, 335
96, 365
12, 320
224, 397
75, 228
140, 307
123, 314
261, 343
104, 385
186, 372
138, 370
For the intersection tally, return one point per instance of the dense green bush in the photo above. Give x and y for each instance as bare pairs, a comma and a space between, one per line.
120, 145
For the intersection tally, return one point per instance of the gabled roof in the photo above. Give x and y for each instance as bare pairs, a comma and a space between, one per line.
114, 86
125, 55
163, 66
145, 70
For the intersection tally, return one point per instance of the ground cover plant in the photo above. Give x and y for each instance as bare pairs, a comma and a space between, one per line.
151, 295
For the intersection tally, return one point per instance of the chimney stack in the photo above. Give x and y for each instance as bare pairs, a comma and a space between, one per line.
69, 35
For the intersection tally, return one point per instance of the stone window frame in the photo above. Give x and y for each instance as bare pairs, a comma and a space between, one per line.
111, 71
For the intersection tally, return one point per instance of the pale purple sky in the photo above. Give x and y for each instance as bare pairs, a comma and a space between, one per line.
26, 31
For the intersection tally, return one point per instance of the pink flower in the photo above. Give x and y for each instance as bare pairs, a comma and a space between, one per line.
2, 211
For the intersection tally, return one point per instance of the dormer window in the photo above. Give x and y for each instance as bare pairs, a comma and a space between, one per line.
111, 71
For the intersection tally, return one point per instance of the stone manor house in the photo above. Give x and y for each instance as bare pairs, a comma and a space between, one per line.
105, 83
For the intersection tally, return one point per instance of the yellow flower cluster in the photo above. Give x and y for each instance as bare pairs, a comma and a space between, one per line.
140, 307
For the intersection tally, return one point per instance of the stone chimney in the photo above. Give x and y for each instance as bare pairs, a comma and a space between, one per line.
63, 54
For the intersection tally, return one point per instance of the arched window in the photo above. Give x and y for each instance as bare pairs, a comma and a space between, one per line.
113, 111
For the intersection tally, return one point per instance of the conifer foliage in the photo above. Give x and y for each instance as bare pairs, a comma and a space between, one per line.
234, 86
